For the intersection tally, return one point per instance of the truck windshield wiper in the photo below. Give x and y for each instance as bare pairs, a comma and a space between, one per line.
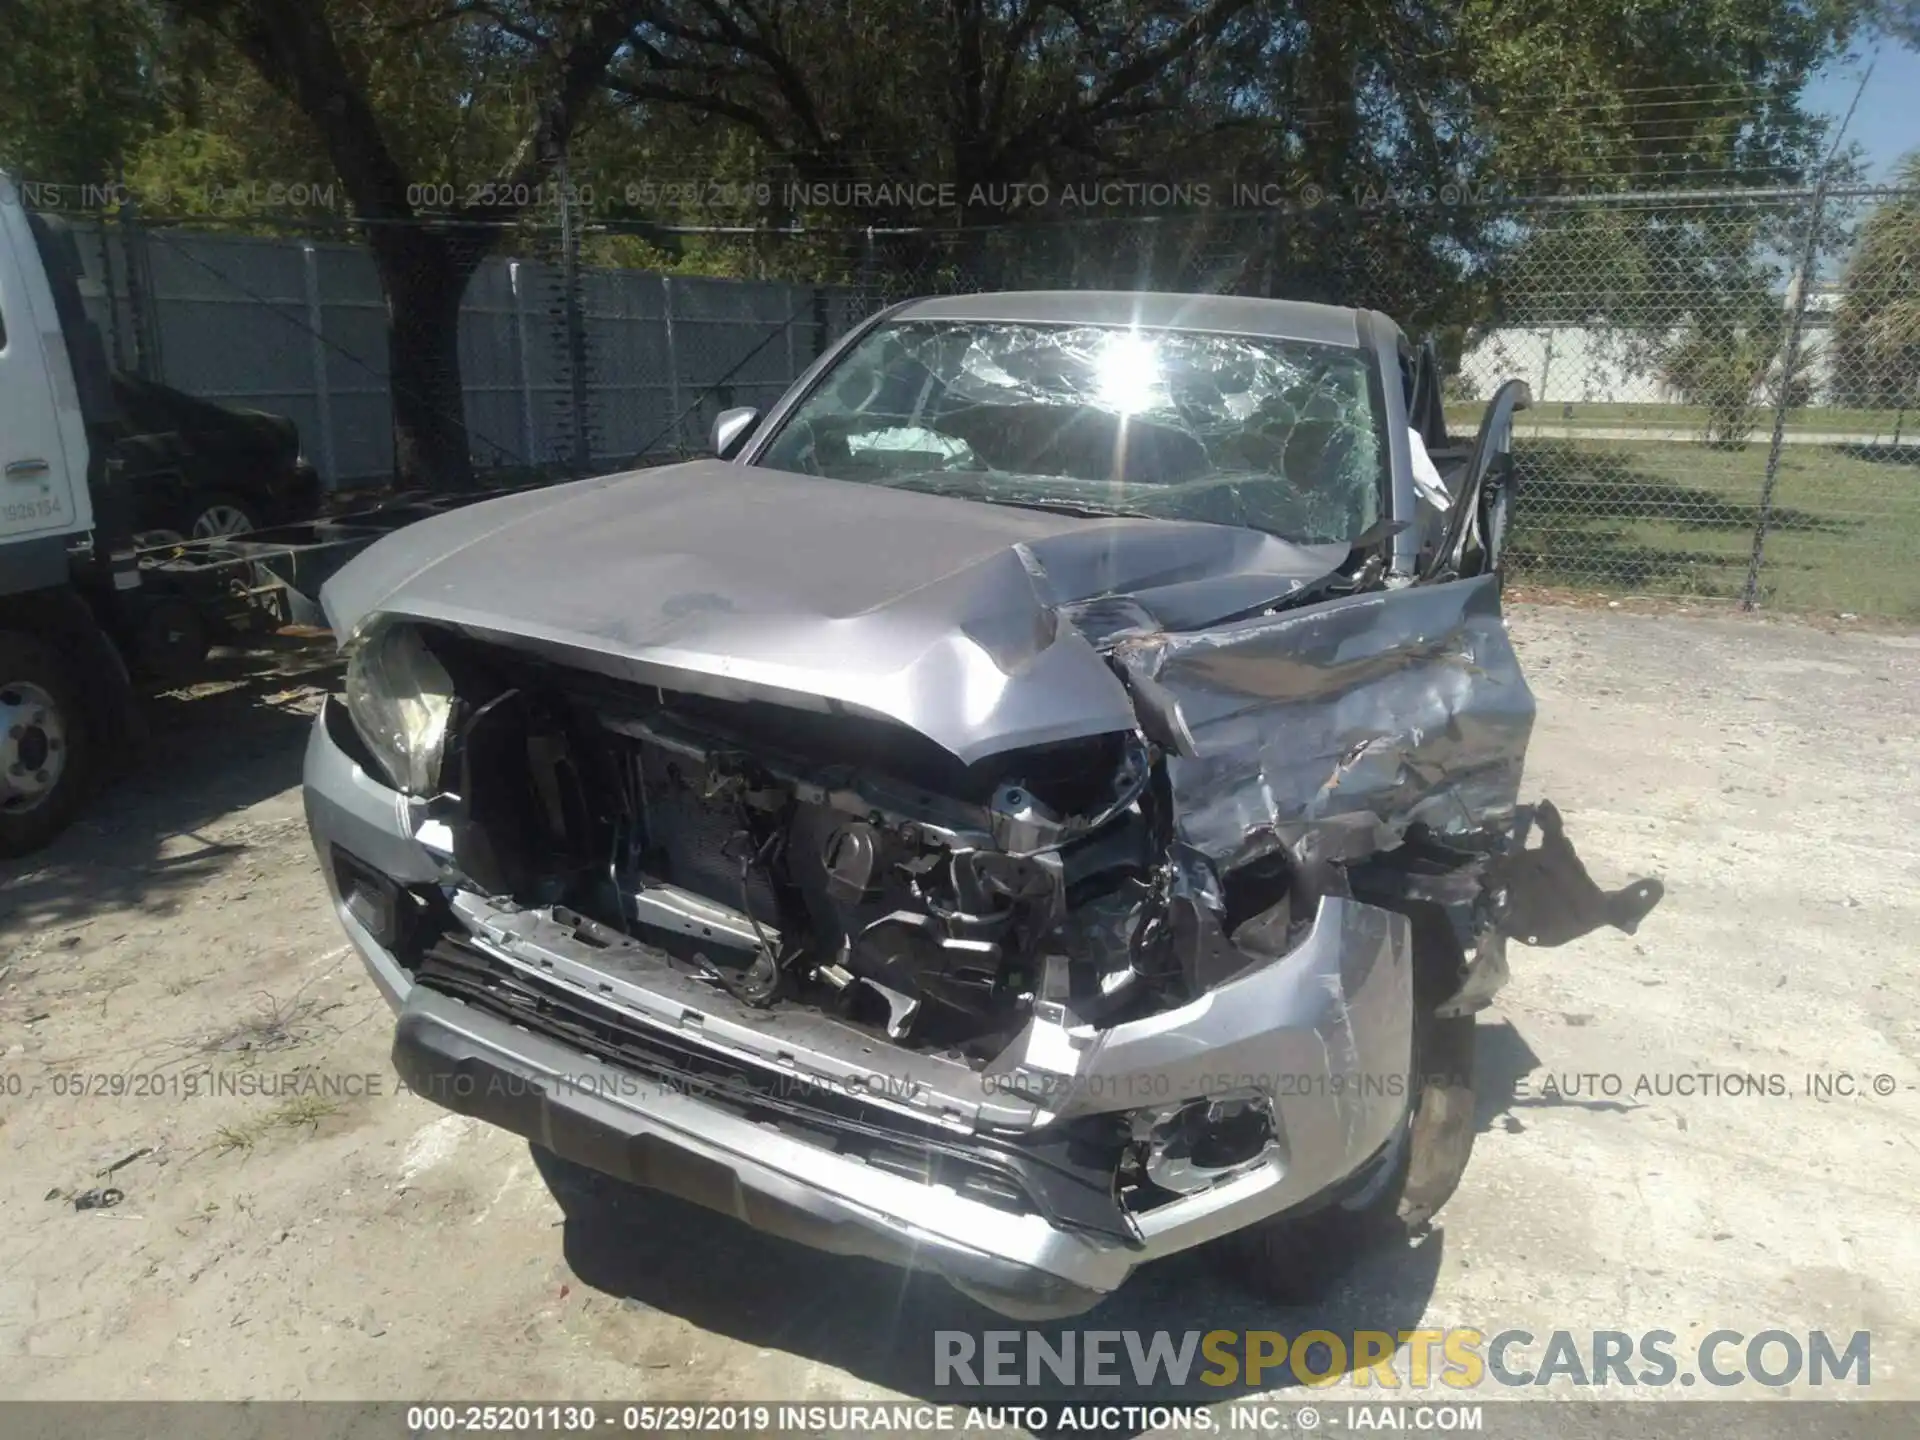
1086, 509
1071, 507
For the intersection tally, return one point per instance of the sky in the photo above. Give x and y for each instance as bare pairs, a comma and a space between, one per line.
1887, 124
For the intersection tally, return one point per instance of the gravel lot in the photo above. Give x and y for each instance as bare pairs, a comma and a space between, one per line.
273, 1242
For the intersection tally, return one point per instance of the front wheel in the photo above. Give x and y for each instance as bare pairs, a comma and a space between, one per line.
222, 513
1297, 1259
46, 745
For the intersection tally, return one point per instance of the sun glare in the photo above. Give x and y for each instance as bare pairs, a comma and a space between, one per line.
1129, 371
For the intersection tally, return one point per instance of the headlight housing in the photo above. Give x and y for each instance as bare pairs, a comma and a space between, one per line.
400, 699
1201, 1143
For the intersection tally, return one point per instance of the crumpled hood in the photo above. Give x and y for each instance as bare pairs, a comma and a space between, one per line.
745, 583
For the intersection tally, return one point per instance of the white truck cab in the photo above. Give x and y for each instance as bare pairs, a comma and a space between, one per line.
65, 699
43, 437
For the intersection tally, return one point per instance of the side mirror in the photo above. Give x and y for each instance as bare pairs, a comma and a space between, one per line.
731, 428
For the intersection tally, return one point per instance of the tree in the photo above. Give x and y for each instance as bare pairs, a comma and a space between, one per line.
1899, 19
346, 70
1727, 369
974, 94
82, 82
1395, 138
1392, 137
1876, 332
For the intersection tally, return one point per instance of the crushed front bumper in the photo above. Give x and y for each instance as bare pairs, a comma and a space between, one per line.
1325, 1032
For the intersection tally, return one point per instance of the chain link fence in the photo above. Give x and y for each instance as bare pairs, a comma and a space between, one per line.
1724, 398
1726, 387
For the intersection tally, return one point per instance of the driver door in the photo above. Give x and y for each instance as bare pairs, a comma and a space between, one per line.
1470, 536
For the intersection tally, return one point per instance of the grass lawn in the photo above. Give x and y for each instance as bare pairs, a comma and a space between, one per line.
1465, 416
1667, 517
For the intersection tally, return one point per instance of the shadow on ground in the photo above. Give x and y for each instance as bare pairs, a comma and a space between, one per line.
1885, 453
231, 739
1577, 508
880, 1323
659, 1253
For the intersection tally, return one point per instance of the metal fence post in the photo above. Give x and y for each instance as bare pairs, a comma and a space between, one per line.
1789, 365
517, 286
112, 289
575, 324
676, 437
146, 332
1546, 369
317, 355
793, 369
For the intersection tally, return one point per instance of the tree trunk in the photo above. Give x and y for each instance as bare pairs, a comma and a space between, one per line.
424, 275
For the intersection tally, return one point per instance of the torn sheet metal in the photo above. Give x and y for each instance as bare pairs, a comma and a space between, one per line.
1330, 731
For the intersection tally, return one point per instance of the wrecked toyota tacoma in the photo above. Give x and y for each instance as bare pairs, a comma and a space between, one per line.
1044, 797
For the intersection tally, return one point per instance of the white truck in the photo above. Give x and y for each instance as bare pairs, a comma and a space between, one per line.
88, 603
69, 577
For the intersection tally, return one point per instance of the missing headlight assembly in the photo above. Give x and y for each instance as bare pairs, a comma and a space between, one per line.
981, 881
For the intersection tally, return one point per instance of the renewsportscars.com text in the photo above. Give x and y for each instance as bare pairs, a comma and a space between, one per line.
1457, 1359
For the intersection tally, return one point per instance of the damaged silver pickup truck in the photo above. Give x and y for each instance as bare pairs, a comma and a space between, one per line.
1043, 798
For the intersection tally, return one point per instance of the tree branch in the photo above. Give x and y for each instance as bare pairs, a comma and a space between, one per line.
583, 71
651, 92
1021, 148
290, 43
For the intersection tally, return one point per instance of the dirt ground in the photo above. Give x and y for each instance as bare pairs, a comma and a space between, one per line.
171, 963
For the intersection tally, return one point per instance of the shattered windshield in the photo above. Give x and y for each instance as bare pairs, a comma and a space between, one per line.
1284, 436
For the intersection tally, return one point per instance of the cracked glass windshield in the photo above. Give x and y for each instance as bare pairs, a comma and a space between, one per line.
1279, 435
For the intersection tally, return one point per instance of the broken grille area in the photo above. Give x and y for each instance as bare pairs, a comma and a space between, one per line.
789, 857
690, 839
1064, 1178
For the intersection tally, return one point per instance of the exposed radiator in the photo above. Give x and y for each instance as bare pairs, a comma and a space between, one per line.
689, 840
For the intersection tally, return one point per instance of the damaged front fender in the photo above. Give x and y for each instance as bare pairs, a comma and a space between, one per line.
1376, 744
1330, 731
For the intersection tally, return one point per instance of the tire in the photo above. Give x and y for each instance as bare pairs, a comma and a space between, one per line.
1299, 1259
47, 753
172, 641
213, 513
